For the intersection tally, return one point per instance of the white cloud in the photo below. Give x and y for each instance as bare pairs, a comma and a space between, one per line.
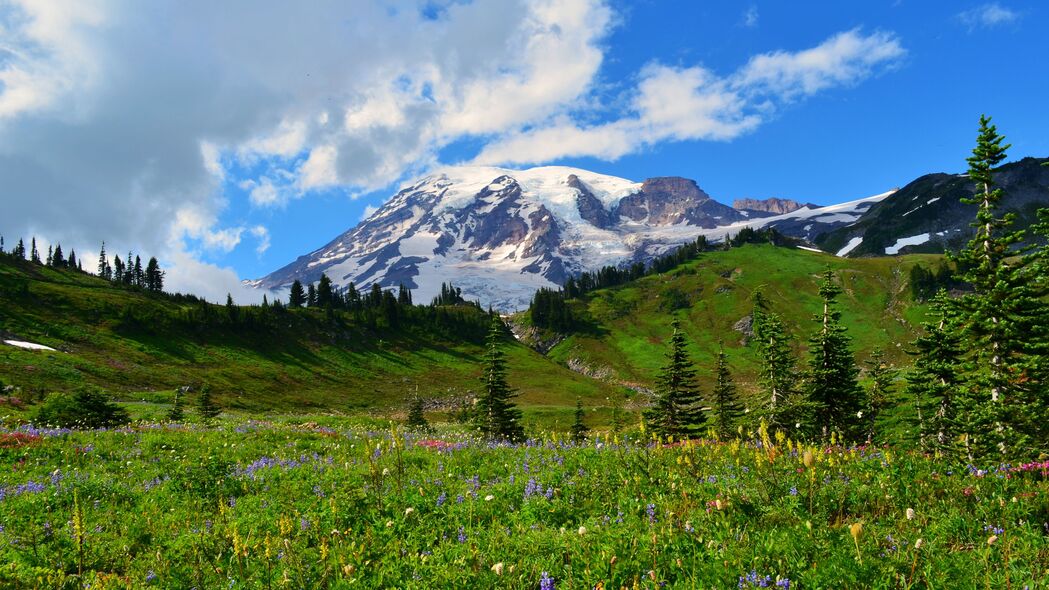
121, 122
263, 236
988, 15
368, 211
750, 17
693, 103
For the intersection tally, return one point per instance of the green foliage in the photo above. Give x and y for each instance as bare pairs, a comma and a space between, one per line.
881, 376
497, 417
831, 387
177, 413
934, 380
304, 503
677, 410
207, 409
87, 407
579, 428
726, 407
549, 309
416, 417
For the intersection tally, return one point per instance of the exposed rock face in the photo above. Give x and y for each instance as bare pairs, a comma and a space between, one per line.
770, 206
501, 234
672, 200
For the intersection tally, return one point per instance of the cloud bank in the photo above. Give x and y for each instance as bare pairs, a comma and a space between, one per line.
127, 123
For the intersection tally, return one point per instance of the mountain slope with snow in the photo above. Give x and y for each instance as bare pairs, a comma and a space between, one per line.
500, 234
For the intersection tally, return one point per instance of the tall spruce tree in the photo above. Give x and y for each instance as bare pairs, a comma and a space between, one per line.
678, 408
154, 277
416, 417
880, 384
831, 387
58, 258
496, 415
103, 264
935, 378
296, 296
1002, 318
779, 376
206, 406
50, 254
579, 428
34, 254
311, 295
177, 411
727, 409
19, 251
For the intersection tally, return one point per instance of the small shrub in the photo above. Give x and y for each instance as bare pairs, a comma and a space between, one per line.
86, 407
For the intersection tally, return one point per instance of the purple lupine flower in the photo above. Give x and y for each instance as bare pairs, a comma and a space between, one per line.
530, 488
783, 583
459, 499
304, 523
462, 535
793, 490
549, 492
151, 576
441, 499
651, 511
546, 582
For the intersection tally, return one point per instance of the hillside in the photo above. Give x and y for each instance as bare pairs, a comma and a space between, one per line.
927, 215
623, 330
140, 346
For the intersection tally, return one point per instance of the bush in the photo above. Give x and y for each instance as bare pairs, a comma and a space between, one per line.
85, 408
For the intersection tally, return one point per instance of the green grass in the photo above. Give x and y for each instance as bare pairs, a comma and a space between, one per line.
327, 502
302, 361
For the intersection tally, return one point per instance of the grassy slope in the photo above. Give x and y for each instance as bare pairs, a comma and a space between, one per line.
303, 363
629, 324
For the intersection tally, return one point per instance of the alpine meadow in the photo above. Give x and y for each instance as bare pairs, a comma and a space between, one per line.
519, 368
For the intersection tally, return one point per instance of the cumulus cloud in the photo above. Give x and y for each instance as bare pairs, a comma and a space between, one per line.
124, 123
694, 103
988, 16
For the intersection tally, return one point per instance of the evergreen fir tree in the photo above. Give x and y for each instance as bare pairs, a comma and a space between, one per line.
935, 378
779, 376
618, 420
727, 409
296, 296
19, 251
832, 389
1001, 318
177, 413
58, 258
1, 244
496, 414
880, 375
138, 276
757, 317
416, 417
103, 264
311, 295
50, 254
206, 406
324, 292
404, 295
73, 262
678, 408
34, 255
579, 428
129, 271
154, 277
232, 311
118, 270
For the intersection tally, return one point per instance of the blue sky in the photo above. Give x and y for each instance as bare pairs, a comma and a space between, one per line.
229, 142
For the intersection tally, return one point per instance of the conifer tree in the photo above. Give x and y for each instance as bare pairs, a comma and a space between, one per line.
935, 378
177, 413
58, 258
311, 295
1, 244
1002, 318
129, 271
73, 262
232, 311
618, 421
779, 376
118, 269
832, 389
138, 276
404, 295
154, 277
19, 251
880, 375
296, 296
103, 264
579, 428
727, 409
34, 255
324, 292
50, 253
678, 410
496, 414
206, 406
416, 417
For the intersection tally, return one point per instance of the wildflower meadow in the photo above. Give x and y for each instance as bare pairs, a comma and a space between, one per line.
333, 504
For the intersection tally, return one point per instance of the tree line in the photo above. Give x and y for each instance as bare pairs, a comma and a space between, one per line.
121, 272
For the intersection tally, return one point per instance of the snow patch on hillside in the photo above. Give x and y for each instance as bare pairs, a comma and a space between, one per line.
856, 241
908, 241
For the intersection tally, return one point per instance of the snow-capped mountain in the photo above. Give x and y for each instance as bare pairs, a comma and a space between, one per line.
500, 234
